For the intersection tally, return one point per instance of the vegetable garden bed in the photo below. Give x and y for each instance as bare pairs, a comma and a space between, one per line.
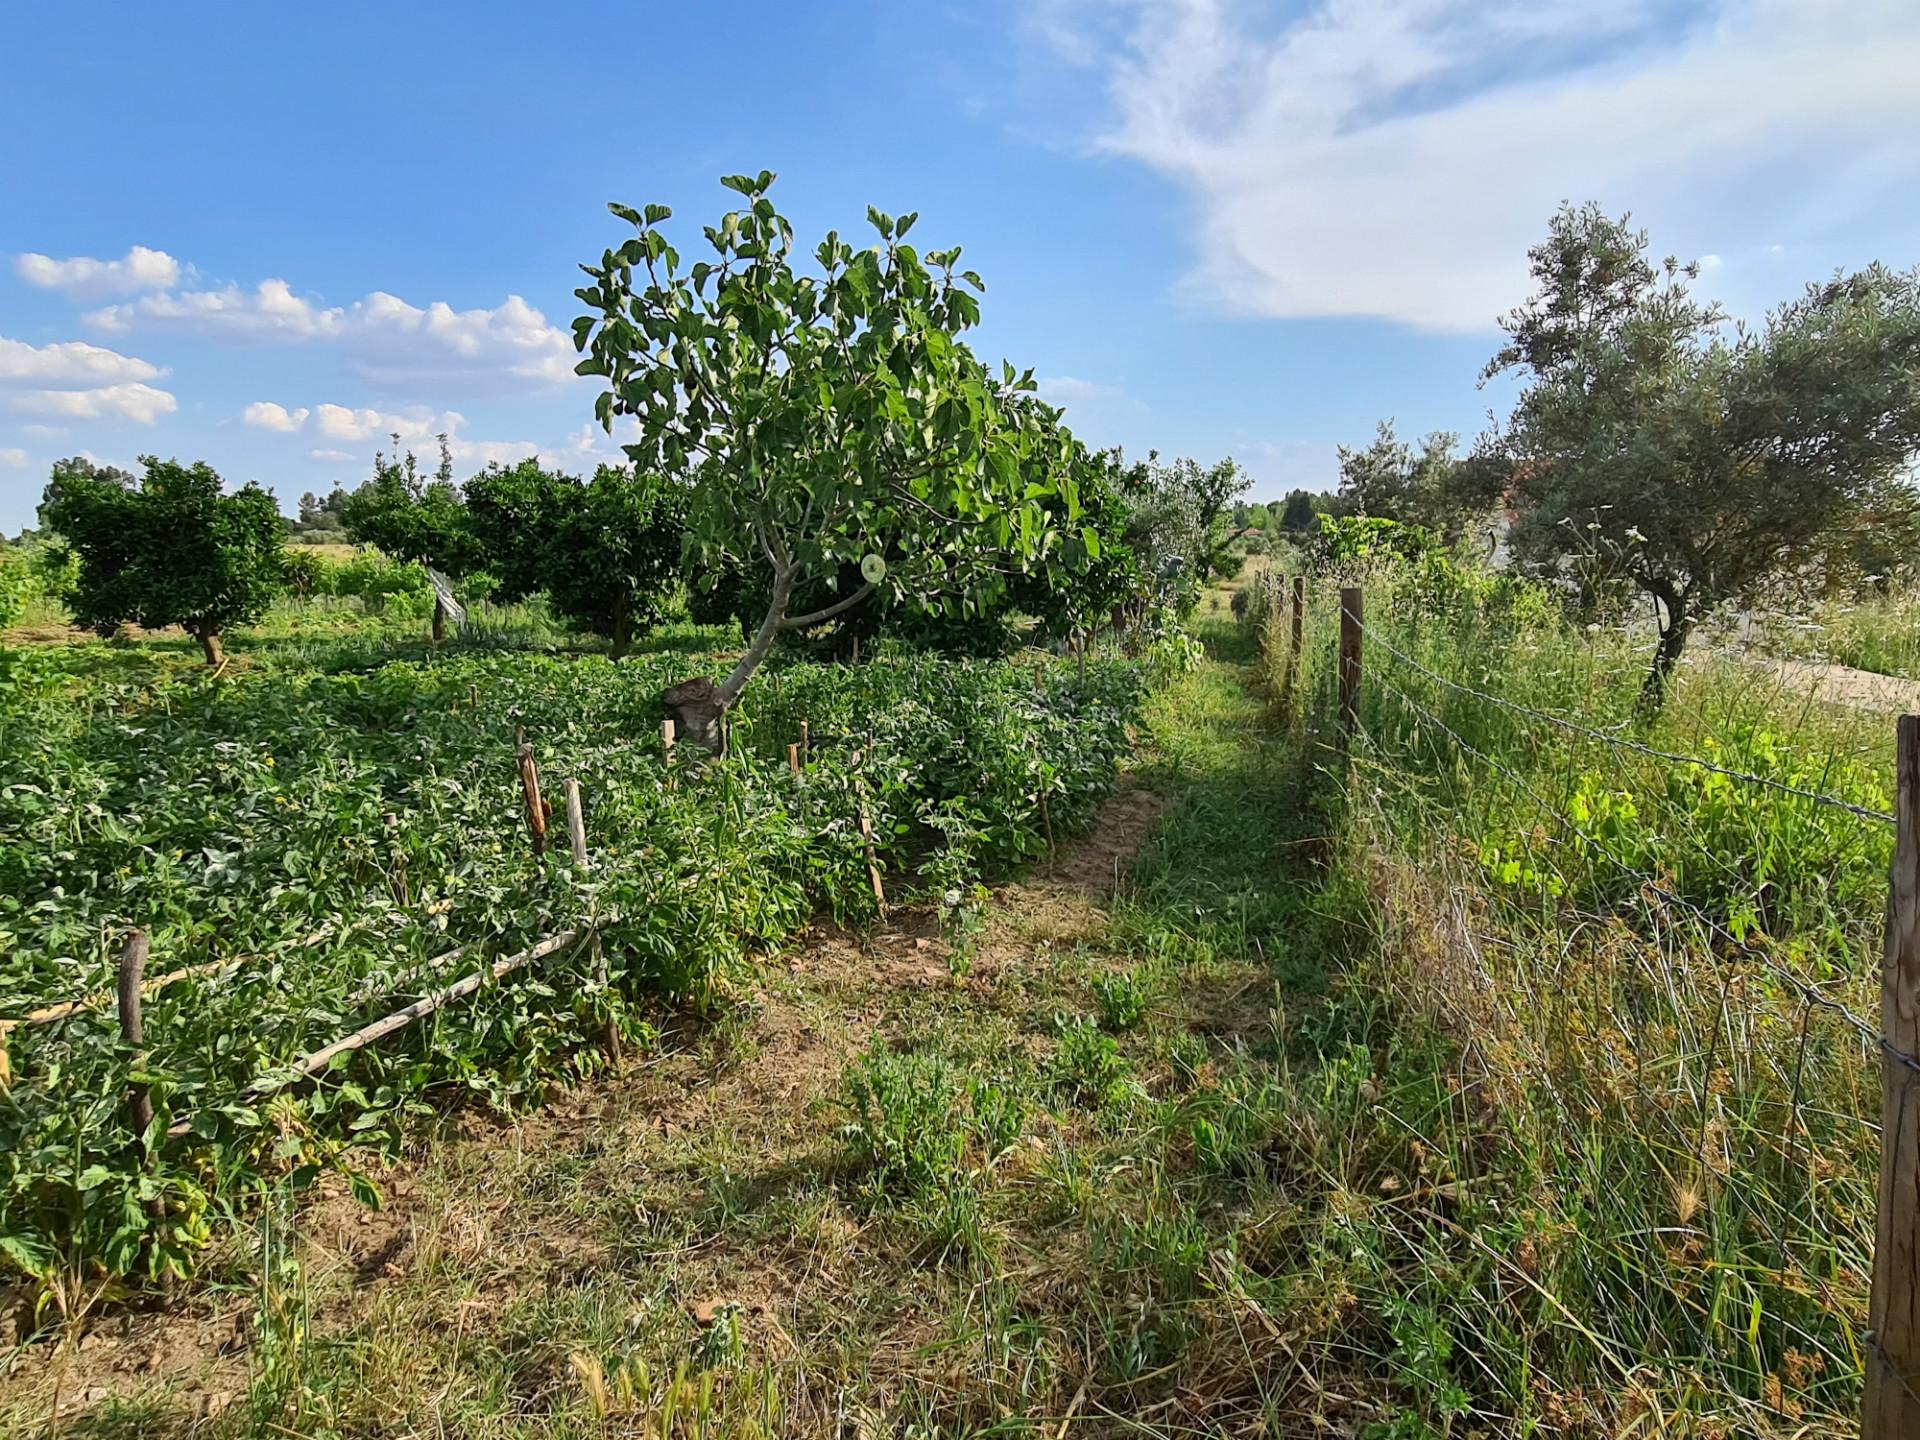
311, 850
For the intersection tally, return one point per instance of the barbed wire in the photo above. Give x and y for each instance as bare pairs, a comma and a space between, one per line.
1818, 797
1773, 1232
1809, 992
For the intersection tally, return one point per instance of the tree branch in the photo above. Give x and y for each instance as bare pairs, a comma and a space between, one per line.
819, 617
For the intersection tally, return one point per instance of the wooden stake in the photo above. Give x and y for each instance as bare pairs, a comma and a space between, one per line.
1890, 1409
1046, 824
1296, 633
793, 759
133, 968
314, 1063
576, 824
537, 809
806, 744
1351, 604
866, 840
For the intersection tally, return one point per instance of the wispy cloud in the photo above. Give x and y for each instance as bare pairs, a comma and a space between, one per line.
1394, 159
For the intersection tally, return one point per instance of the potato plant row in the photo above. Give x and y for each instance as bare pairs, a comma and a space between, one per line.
314, 844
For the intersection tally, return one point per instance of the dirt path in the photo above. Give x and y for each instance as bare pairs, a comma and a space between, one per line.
1844, 685
698, 1184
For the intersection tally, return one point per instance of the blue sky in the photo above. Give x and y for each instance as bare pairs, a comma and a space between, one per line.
266, 236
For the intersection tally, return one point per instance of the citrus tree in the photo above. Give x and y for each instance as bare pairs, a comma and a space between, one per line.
605, 550
169, 549
402, 513
825, 417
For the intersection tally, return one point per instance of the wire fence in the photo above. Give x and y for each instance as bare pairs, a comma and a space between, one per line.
1715, 925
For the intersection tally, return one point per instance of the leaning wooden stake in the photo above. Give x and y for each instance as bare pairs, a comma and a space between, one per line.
793, 759
537, 809
1890, 1409
1351, 603
314, 1063
576, 824
133, 968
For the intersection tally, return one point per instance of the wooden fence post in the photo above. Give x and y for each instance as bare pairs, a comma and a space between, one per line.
1351, 605
793, 759
133, 969
530, 791
1295, 639
1891, 1406
576, 824
806, 744
1299, 621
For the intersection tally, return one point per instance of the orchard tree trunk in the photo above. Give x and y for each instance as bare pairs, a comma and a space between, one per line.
209, 638
1675, 629
620, 642
699, 706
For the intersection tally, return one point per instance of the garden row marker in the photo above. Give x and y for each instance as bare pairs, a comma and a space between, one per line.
576, 824
1890, 1409
133, 968
530, 791
1351, 602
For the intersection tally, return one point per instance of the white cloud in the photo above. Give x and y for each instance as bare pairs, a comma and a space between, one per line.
385, 339
44, 432
13, 459
340, 456
1395, 159
1060, 389
416, 426
265, 415
71, 362
271, 312
140, 403
85, 278
340, 422
81, 381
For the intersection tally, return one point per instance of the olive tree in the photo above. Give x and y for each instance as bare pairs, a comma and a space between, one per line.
169, 549
605, 550
824, 418
1696, 461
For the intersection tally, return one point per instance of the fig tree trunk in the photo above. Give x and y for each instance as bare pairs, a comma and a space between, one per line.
209, 638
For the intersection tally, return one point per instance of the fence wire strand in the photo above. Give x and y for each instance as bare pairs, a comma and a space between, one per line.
1621, 742
1807, 989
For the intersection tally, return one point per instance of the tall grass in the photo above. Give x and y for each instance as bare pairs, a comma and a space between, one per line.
1646, 1139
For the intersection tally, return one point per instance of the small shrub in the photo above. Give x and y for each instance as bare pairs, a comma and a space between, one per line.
1088, 1063
904, 1127
1122, 997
